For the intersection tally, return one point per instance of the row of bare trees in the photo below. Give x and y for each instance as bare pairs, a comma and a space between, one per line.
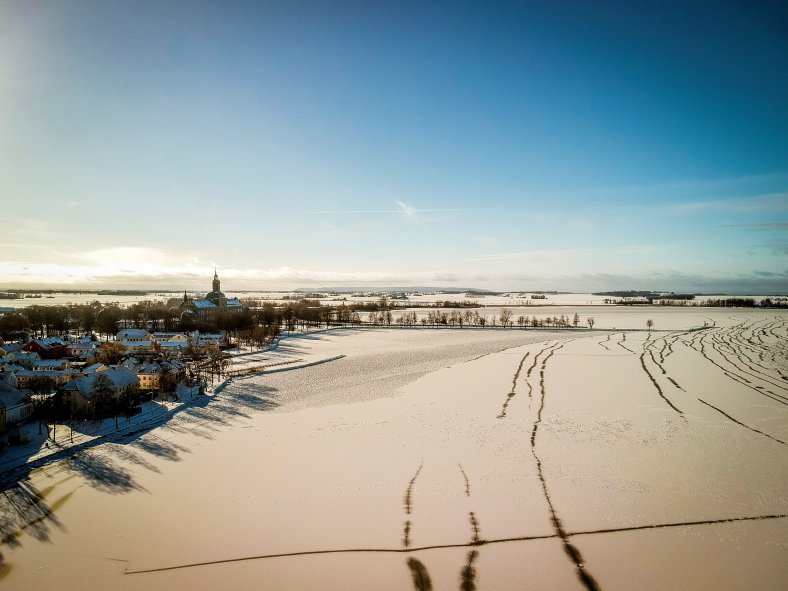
255, 325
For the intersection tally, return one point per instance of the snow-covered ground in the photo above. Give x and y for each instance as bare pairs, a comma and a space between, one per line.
489, 459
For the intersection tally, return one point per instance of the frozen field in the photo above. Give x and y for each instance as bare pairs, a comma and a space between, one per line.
442, 460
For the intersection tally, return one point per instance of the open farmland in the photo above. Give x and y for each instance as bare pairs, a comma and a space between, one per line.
438, 459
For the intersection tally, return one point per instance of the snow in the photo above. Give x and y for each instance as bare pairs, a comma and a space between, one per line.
401, 455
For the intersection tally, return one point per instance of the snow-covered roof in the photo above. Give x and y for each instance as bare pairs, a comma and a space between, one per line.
173, 344
50, 364
119, 376
43, 373
50, 342
234, 303
84, 345
147, 367
12, 347
136, 344
132, 334
211, 337
10, 396
203, 304
168, 336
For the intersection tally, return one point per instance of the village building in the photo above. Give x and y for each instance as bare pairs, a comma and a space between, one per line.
24, 359
138, 346
78, 393
148, 372
170, 343
83, 348
133, 335
215, 302
210, 340
151, 373
161, 337
51, 365
49, 348
28, 379
8, 348
14, 406
8, 374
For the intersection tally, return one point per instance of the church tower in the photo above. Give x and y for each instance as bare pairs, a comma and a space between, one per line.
216, 296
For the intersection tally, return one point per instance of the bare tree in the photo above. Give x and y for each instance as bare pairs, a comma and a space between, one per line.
506, 316
590, 323
111, 352
649, 323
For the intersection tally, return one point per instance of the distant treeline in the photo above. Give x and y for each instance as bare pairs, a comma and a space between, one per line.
747, 303
18, 293
649, 295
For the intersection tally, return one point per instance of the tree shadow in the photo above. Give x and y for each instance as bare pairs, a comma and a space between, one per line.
156, 446
102, 472
24, 509
102, 463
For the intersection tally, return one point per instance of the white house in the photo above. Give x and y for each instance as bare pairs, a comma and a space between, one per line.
133, 334
79, 391
14, 406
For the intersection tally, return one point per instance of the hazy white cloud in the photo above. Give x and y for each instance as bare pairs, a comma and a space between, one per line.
403, 207
486, 241
534, 255
771, 203
189, 275
196, 277
407, 209
124, 256
673, 189
767, 227
581, 223
601, 255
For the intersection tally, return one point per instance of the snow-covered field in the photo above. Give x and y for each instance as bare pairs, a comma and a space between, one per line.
444, 459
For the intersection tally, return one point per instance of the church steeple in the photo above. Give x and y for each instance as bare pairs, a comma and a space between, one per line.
216, 286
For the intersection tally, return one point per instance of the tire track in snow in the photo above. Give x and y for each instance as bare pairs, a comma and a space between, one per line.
513, 392
722, 412
408, 503
571, 551
622, 345
467, 482
450, 546
602, 343
736, 377
739, 355
656, 384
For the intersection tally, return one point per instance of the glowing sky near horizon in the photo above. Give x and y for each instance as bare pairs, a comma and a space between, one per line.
529, 145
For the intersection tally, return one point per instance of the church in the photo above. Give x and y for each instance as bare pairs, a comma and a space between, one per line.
215, 302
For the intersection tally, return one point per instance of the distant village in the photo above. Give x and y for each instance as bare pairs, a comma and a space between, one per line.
83, 377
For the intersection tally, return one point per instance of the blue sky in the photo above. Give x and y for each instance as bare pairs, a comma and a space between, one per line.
562, 145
